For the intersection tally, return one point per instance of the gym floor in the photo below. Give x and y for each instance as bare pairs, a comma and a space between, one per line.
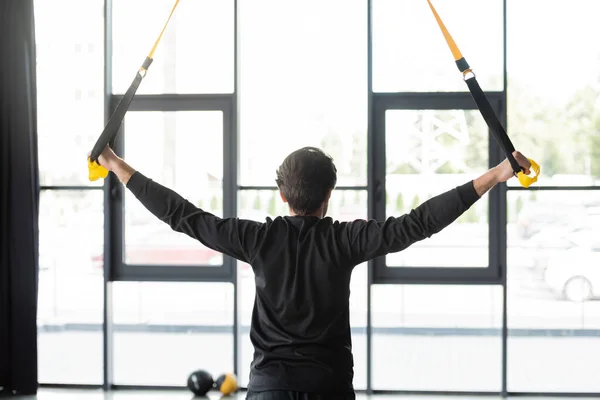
55, 394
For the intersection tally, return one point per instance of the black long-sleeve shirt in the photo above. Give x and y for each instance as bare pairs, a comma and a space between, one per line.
302, 265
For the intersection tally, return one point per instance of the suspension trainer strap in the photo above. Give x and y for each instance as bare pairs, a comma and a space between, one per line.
485, 108
108, 136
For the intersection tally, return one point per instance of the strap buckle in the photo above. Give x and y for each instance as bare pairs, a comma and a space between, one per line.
468, 74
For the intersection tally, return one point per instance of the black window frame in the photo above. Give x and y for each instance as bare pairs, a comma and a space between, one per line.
121, 271
383, 274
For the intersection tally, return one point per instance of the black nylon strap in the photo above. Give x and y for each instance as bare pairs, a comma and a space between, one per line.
493, 123
111, 129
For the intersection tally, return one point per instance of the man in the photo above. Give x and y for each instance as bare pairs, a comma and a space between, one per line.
303, 263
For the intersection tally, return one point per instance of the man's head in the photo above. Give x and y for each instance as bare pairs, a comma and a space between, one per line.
305, 180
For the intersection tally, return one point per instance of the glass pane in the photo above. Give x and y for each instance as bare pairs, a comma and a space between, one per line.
306, 85
344, 205
196, 52
183, 151
553, 291
427, 153
358, 323
410, 53
555, 121
70, 91
437, 338
71, 287
164, 331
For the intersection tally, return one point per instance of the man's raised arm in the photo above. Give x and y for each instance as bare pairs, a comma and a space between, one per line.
231, 236
366, 240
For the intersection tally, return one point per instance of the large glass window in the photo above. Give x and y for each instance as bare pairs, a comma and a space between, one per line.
410, 53
306, 85
427, 153
183, 151
304, 82
70, 91
70, 293
553, 318
70, 112
437, 338
555, 121
553, 291
164, 331
195, 55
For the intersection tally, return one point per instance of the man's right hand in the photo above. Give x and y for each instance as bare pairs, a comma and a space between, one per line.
505, 170
108, 159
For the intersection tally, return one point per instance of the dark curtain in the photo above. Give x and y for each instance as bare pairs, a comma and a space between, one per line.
19, 194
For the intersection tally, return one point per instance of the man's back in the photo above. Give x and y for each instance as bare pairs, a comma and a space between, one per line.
300, 322
302, 264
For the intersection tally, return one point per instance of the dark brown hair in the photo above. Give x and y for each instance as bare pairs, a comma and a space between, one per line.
305, 177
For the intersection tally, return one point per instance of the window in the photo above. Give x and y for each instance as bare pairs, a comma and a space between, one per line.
69, 123
344, 205
434, 143
553, 287
449, 338
165, 331
71, 287
358, 323
303, 83
306, 85
411, 55
553, 320
183, 151
70, 115
427, 153
195, 55
555, 121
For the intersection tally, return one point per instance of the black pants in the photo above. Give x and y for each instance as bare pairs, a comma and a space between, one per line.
285, 395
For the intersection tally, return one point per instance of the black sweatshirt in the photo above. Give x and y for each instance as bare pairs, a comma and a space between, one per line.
302, 265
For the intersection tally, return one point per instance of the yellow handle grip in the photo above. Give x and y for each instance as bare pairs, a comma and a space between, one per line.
96, 171
527, 180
